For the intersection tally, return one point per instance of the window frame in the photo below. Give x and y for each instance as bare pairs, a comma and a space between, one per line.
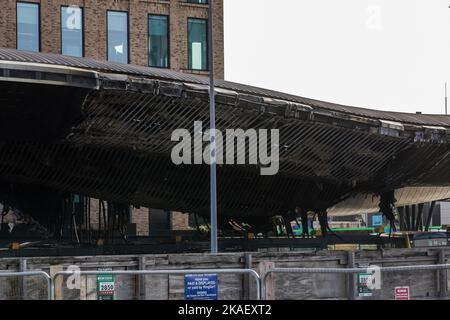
207, 44
128, 35
38, 4
200, 3
82, 34
169, 60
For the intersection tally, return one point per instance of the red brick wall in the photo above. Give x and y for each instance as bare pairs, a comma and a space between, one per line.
140, 217
94, 213
179, 221
95, 27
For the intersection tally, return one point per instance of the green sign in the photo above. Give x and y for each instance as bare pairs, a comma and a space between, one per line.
363, 279
105, 285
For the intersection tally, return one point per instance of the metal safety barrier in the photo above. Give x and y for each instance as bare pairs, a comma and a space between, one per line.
347, 271
249, 272
260, 281
29, 274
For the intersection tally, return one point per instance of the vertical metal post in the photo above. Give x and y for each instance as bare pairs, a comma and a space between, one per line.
350, 276
401, 213
442, 275
22, 268
141, 279
50, 288
212, 128
446, 99
419, 219
247, 283
408, 218
430, 216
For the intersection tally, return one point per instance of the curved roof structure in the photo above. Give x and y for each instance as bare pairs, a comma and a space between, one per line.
104, 130
163, 74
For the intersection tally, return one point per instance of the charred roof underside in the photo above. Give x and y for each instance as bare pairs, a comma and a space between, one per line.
104, 130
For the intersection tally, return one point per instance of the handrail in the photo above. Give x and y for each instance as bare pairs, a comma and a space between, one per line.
32, 273
250, 272
347, 271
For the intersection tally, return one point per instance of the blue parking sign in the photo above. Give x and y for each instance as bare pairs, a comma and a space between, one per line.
377, 220
200, 286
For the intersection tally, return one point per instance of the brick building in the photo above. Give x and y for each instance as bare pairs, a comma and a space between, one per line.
159, 33
170, 34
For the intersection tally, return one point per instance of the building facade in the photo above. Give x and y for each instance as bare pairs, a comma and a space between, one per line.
169, 34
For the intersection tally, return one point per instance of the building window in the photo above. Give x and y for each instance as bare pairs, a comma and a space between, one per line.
72, 31
28, 26
117, 36
198, 1
158, 41
198, 44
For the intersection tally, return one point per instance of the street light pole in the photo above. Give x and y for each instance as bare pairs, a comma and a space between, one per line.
212, 128
446, 99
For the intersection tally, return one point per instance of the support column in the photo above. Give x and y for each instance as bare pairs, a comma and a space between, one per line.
401, 213
419, 220
408, 218
430, 216
350, 277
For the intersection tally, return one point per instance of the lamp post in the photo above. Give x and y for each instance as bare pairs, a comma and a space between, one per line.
446, 100
212, 128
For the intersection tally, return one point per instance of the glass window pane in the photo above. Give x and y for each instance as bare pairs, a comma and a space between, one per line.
198, 45
72, 31
118, 36
197, 1
27, 26
158, 41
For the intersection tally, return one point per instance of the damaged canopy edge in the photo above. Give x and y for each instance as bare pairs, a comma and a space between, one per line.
25, 72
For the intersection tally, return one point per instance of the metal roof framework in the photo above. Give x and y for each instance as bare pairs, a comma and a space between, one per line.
116, 145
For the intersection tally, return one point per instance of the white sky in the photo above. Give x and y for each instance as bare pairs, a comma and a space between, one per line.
382, 54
